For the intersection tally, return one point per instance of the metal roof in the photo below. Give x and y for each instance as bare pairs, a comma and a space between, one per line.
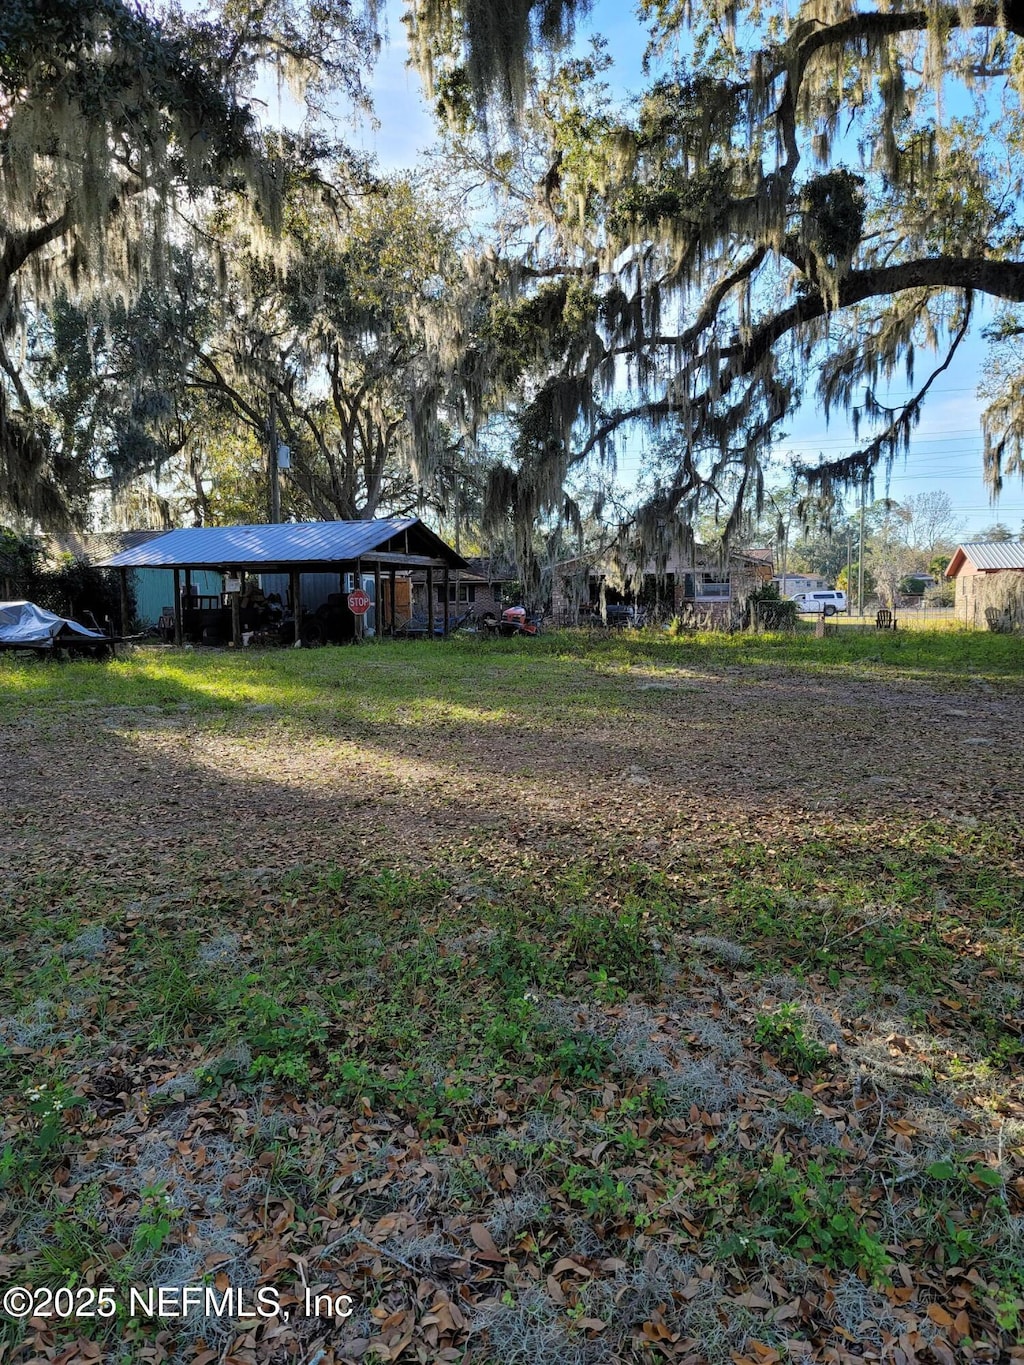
313, 542
989, 554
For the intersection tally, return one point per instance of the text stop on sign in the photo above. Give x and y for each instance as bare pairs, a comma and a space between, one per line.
358, 602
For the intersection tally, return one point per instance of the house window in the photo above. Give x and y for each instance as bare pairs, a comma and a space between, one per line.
466, 591
712, 587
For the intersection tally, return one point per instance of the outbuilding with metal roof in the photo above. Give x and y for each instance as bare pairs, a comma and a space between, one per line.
989, 577
351, 549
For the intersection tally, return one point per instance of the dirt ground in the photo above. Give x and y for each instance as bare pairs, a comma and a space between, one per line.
384, 883
675, 751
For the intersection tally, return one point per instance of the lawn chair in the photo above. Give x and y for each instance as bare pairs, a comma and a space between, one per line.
885, 619
998, 621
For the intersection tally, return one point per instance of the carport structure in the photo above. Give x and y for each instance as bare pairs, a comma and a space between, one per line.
383, 547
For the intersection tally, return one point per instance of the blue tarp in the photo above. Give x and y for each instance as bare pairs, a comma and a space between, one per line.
23, 625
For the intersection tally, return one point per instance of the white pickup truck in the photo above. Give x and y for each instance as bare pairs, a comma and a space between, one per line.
827, 601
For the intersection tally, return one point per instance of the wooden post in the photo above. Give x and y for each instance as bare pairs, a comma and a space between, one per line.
392, 574
357, 586
378, 615
177, 608
430, 603
125, 611
447, 607
295, 578
236, 614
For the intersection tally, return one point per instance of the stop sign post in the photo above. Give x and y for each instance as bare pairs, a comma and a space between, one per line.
358, 602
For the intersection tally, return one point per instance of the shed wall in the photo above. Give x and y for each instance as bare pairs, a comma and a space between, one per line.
154, 590
1001, 590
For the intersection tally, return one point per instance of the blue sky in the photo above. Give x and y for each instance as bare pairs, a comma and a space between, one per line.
946, 449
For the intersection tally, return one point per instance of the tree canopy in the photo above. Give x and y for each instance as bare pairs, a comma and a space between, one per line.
340, 340
114, 125
795, 210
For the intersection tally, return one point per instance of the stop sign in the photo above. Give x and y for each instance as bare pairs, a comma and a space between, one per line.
358, 602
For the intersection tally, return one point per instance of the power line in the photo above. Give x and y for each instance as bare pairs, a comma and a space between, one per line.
954, 434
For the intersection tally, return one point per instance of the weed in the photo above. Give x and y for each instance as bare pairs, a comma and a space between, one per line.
606, 988
514, 963
353, 1079
599, 1193
514, 1033
155, 1220
809, 1212
281, 1037
616, 944
799, 1105
582, 1056
783, 1034
46, 1139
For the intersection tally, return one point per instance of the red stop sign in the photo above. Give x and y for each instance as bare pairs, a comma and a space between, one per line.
358, 602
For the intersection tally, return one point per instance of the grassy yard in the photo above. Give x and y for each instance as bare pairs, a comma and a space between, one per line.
560, 1002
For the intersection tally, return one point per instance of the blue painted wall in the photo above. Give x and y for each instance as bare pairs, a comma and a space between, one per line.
154, 590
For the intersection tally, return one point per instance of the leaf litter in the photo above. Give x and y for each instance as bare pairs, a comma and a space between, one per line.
535, 1061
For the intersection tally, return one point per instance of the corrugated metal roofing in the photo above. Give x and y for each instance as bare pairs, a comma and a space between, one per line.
995, 554
314, 542
98, 544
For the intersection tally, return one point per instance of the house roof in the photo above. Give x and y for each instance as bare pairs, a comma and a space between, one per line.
99, 544
491, 570
703, 560
405, 541
988, 556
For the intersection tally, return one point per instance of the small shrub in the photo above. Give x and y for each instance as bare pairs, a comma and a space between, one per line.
809, 1211
783, 1033
616, 944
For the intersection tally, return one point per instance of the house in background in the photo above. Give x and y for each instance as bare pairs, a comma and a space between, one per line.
989, 579
791, 583
704, 588
478, 588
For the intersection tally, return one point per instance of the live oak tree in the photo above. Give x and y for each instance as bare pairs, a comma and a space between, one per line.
334, 340
796, 210
373, 307
114, 125
113, 392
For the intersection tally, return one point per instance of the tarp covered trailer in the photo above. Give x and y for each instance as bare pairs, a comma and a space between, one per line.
23, 625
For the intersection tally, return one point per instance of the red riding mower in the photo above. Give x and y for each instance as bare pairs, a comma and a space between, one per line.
514, 621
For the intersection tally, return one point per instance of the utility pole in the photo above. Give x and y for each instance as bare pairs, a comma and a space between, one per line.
849, 567
860, 566
272, 465
785, 554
